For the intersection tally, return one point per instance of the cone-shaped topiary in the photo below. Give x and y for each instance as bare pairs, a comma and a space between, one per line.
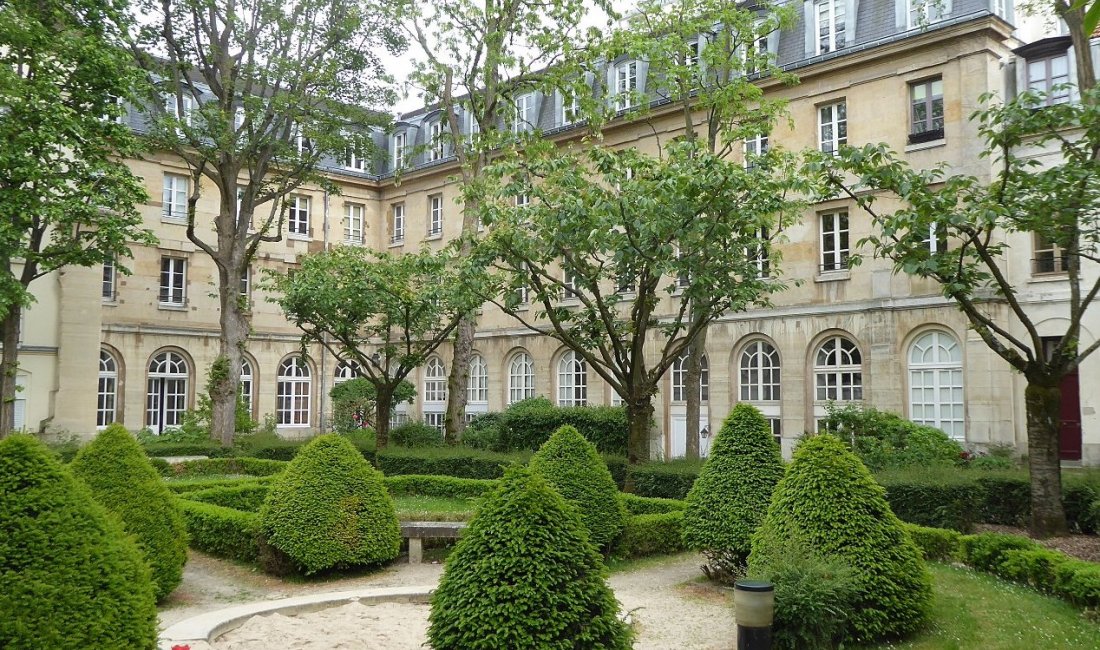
70, 578
525, 575
573, 466
829, 500
330, 509
123, 480
731, 495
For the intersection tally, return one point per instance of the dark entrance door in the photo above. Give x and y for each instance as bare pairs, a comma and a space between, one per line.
1070, 432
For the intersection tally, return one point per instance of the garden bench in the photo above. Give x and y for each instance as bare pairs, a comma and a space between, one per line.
417, 531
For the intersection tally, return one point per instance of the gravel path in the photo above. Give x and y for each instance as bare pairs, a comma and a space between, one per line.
669, 606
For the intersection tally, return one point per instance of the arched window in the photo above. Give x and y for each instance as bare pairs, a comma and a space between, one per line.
679, 379
936, 383
435, 392
838, 373
346, 370
758, 373
107, 401
166, 396
247, 385
572, 380
295, 388
477, 384
521, 377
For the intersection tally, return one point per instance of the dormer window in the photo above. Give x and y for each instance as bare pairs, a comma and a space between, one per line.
400, 151
925, 12
1050, 75
525, 113
173, 104
570, 109
435, 141
830, 25
626, 84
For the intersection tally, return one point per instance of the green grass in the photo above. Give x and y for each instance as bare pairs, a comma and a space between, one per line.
420, 508
973, 611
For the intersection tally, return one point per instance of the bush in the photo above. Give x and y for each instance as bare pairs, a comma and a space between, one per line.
121, 479
226, 466
884, 440
938, 544
185, 485
1078, 582
483, 432
937, 500
571, 464
446, 461
70, 578
1034, 566
330, 509
416, 434
984, 551
439, 486
248, 497
525, 554
221, 531
527, 424
658, 533
1005, 500
729, 499
830, 502
205, 447
666, 480
636, 505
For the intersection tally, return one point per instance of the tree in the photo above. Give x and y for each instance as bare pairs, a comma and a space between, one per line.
354, 403
1059, 202
705, 58
607, 244
386, 313
254, 96
479, 56
66, 199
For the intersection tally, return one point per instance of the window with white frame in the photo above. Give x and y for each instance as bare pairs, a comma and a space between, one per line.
830, 25
173, 281
435, 141
525, 113
245, 285
107, 393
759, 254
679, 379
173, 104
572, 380
435, 214
626, 84
521, 296
838, 373
756, 50
936, 383
346, 370
935, 241
477, 382
298, 215
1000, 8
1050, 257
521, 377
400, 151
758, 381
570, 109
755, 147
683, 280
926, 108
166, 391
1050, 75
353, 223
834, 241
247, 385
397, 224
354, 158
294, 392
174, 201
568, 284
435, 381
925, 12
110, 281
832, 126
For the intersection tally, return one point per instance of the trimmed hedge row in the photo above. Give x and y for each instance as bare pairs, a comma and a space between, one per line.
461, 463
220, 466
188, 485
637, 505
248, 497
221, 531
658, 533
936, 544
210, 448
666, 480
438, 486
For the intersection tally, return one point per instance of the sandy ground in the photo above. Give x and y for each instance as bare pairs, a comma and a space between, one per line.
669, 606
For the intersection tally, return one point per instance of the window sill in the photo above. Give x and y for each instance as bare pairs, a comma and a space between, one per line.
171, 306
294, 236
921, 146
109, 302
833, 276
397, 244
434, 236
178, 221
1053, 276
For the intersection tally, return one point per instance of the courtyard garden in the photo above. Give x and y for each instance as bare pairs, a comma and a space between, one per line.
924, 552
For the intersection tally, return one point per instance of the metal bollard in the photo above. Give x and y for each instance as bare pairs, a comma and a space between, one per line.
754, 607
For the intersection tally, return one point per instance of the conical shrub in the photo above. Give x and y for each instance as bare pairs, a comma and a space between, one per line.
830, 502
70, 578
330, 510
122, 479
731, 495
573, 466
525, 575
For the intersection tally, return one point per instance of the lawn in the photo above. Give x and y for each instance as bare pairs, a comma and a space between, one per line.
976, 611
420, 508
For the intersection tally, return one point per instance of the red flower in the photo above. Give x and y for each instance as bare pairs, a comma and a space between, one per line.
181, 647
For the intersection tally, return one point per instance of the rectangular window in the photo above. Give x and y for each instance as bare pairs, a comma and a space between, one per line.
434, 420
525, 114
397, 226
173, 104
832, 126
302, 143
110, 273
353, 223
399, 153
435, 214
298, 220
435, 135
174, 198
924, 12
354, 158
626, 84
570, 109
755, 147
173, 281
935, 241
756, 49
1049, 256
246, 283
568, 285
759, 256
926, 110
834, 241
1050, 75
830, 25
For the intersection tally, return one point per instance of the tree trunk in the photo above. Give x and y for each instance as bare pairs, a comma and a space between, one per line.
692, 382
1048, 517
225, 379
383, 403
639, 414
454, 421
9, 364
1082, 53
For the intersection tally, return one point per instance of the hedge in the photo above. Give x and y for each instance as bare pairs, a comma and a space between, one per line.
1023, 560
221, 531
248, 497
666, 479
221, 466
463, 463
937, 544
438, 486
658, 533
526, 425
186, 485
637, 505
212, 449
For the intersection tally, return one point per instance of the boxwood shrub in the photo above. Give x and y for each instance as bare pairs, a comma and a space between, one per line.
330, 509
70, 578
829, 501
526, 424
665, 479
731, 495
938, 544
637, 505
248, 497
573, 466
121, 479
463, 463
223, 466
221, 531
656, 533
525, 554
185, 485
438, 486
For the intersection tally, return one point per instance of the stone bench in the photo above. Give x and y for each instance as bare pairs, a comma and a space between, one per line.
417, 531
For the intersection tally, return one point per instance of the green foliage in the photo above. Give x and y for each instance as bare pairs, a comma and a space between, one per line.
815, 597
220, 531
654, 533
354, 403
666, 480
731, 496
186, 485
938, 544
70, 578
829, 501
636, 505
527, 424
884, 440
483, 432
248, 496
524, 554
983, 552
573, 466
415, 433
121, 479
330, 509
438, 486
195, 424
206, 447
447, 461
223, 466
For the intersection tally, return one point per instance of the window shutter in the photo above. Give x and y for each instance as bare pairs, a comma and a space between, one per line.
808, 19
901, 14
